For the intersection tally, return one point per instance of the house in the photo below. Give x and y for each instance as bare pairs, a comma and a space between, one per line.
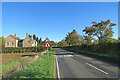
14, 41
11, 41
29, 42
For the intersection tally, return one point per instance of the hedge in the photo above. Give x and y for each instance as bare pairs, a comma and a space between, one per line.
22, 49
108, 48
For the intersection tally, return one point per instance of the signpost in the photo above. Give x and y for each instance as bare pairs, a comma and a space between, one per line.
47, 44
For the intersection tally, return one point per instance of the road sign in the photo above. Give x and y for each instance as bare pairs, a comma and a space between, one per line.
47, 45
47, 40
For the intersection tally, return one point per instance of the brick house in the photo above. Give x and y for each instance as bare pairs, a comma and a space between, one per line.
13, 41
29, 42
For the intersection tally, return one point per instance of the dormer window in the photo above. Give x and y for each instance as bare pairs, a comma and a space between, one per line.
32, 42
12, 43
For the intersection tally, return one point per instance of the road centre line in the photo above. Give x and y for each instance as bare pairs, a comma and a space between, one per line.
58, 73
97, 68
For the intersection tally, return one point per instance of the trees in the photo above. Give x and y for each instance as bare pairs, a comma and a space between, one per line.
34, 37
89, 31
81, 38
52, 43
2, 40
40, 41
103, 30
72, 38
62, 43
30, 36
88, 39
37, 39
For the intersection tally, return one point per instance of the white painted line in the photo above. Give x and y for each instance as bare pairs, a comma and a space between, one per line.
71, 55
97, 68
58, 73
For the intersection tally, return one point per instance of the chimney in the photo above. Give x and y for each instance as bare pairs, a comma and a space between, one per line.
14, 35
31, 37
27, 35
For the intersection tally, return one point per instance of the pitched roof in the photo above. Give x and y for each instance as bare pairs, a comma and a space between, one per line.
22, 39
15, 37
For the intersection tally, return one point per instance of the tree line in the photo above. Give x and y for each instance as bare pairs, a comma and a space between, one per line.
97, 36
97, 33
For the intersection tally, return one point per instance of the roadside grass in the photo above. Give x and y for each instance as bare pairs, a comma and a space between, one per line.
9, 66
44, 67
104, 56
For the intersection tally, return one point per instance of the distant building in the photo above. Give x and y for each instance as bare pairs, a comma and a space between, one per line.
13, 41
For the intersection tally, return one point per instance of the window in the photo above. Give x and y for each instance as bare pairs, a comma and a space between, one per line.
12, 43
32, 42
7, 43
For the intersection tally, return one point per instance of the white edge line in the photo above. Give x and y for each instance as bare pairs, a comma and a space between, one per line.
58, 73
97, 68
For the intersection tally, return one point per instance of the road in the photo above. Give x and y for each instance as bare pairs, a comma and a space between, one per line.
73, 65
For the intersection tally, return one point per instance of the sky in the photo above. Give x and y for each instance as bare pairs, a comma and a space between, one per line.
55, 19
60, 0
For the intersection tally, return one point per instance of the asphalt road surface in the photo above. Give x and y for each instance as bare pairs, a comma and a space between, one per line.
73, 65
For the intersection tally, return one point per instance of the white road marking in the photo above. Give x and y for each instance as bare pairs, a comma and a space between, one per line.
97, 68
67, 55
58, 73
71, 55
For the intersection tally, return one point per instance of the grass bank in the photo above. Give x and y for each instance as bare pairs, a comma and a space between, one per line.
103, 56
44, 67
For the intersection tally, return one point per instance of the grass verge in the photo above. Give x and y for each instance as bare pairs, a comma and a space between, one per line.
44, 67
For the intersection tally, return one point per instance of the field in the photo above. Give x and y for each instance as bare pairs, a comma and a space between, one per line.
10, 66
12, 63
44, 67
11, 57
28, 65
